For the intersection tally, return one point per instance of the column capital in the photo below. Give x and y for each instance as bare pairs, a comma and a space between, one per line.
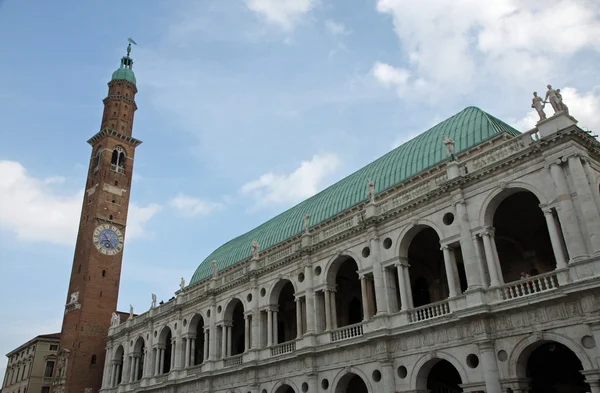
444, 247
547, 210
488, 231
161, 346
459, 201
403, 261
189, 336
485, 346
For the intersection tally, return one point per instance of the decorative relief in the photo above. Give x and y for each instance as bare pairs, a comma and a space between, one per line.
506, 149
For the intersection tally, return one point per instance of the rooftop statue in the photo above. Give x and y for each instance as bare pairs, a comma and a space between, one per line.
538, 104
306, 222
449, 142
255, 249
371, 190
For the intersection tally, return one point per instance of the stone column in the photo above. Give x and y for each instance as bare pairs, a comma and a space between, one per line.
223, 341
275, 327
247, 332
449, 271
213, 342
131, 368
207, 339
561, 261
115, 373
408, 285
269, 327
136, 367
229, 339
256, 320
567, 214
192, 358
491, 374
334, 314
157, 368
591, 176
106, 374
365, 301
380, 290
310, 299
188, 344
467, 246
162, 359
586, 201
402, 287
327, 299
298, 317
174, 353
479, 255
490, 257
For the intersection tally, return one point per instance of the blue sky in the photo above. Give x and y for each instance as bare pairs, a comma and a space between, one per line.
246, 107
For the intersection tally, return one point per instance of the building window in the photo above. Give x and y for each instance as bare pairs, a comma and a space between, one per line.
118, 160
49, 369
45, 389
93, 361
53, 347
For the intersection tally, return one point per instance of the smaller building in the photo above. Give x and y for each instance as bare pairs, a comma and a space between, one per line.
30, 366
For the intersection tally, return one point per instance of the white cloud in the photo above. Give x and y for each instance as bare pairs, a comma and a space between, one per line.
336, 28
191, 206
284, 13
584, 107
458, 45
305, 181
35, 210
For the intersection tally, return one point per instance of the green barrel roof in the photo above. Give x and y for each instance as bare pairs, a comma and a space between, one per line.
468, 128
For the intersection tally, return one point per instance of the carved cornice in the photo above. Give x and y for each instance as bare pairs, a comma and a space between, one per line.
115, 134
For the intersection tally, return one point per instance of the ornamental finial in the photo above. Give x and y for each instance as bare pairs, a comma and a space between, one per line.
131, 41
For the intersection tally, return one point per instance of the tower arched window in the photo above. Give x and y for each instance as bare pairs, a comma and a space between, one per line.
118, 160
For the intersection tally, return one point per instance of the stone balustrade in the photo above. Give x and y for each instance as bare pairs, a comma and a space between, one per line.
528, 286
429, 311
283, 348
347, 332
232, 361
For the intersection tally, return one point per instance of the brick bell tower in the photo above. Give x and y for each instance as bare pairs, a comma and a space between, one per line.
96, 272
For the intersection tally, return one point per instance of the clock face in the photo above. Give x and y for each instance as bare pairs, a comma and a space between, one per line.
108, 239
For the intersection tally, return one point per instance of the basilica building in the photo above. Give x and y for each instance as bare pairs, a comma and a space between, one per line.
465, 260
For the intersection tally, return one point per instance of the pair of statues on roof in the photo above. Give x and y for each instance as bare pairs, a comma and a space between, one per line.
553, 97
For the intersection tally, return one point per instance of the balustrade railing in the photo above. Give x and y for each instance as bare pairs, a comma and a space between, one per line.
280, 349
429, 311
161, 378
232, 361
529, 286
347, 332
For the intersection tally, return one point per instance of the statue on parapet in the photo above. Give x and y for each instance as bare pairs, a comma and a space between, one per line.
214, 267
449, 142
561, 103
130, 311
553, 99
153, 301
115, 320
74, 297
255, 249
182, 284
371, 190
538, 104
306, 222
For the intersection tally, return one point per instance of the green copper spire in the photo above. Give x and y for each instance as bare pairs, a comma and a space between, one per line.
125, 71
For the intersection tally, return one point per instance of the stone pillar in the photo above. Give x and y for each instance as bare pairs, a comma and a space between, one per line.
402, 287
299, 317
256, 320
491, 374
380, 290
334, 315
586, 201
467, 246
310, 299
157, 368
327, 298
567, 215
246, 332
188, 345
490, 257
131, 368
174, 353
207, 339
561, 261
591, 176
229, 339
162, 359
115, 378
408, 285
365, 300
479, 256
389, 382
223, 341
106, 374
136, 367
269, 327
275, 327
213, 341
192, 358
449, 271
